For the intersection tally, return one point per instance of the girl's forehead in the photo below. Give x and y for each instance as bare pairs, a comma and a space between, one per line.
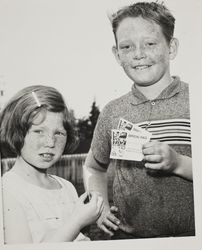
49, 119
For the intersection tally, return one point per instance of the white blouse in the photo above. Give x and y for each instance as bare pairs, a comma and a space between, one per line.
45, 209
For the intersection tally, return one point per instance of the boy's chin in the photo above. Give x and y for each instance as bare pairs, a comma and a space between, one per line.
143, 83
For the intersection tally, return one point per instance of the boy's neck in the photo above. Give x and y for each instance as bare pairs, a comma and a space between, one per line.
153, 91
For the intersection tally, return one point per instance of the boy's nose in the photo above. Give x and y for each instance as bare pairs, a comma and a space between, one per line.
138, 53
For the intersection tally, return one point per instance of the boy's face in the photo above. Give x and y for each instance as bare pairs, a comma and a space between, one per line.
143, 51
45, 141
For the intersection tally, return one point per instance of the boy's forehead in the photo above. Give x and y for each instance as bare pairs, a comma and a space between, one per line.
138, 26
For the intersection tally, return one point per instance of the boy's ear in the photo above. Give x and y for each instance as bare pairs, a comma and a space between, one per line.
116, 54
173, 49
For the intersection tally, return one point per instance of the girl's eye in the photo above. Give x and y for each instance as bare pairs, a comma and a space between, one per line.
60, 133
38, 131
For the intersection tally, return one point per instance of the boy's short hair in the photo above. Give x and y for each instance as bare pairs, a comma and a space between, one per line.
17, 116
152, 11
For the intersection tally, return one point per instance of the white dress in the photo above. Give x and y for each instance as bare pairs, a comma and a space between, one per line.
45, 209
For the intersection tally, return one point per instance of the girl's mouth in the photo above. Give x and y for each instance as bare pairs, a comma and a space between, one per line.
47, 156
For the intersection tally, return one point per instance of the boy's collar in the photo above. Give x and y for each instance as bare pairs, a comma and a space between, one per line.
172, 89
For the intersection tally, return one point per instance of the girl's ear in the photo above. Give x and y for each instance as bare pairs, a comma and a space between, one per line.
116, 54
173, 48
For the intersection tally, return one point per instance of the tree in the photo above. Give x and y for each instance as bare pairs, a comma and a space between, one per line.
85, 128
94, 113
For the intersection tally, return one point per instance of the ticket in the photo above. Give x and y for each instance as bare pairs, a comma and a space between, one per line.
126, 125
127, 145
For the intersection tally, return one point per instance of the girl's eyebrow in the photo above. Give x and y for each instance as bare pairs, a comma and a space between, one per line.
46, 127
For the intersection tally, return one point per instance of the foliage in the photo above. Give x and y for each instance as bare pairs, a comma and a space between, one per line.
85, 128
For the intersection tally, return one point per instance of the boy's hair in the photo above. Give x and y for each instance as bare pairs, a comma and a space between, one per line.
152, 11
17, 116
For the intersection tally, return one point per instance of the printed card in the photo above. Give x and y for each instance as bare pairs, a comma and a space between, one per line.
127, 145
126, 125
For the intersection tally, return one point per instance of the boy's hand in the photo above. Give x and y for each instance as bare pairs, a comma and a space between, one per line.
108, 221
160, 156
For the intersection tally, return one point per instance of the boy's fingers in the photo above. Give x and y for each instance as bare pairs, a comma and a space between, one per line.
106, 230
110, 217
148, 151
153, 158
147, 145
114, 209
155, 166
110, 225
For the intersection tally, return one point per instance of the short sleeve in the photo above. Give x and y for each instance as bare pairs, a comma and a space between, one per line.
68, 187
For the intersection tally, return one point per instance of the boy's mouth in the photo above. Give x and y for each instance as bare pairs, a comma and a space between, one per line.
141, 67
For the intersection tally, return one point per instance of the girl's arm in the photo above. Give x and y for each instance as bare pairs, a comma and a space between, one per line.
83, 215
17, 229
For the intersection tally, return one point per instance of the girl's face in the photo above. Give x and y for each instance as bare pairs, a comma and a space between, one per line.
45, 141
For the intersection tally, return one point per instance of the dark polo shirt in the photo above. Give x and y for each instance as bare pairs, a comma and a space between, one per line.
150, 203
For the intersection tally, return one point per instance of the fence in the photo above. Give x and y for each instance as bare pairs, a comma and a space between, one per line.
69, 167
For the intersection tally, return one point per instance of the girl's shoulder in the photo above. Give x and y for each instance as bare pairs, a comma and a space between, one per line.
10, 179
66, 185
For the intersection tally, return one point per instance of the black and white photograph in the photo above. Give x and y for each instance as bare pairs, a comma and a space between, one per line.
71, 72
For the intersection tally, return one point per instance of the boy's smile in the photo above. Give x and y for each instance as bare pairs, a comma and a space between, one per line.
143, 51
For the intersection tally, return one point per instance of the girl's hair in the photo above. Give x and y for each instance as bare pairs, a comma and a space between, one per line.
152, 11
17, 117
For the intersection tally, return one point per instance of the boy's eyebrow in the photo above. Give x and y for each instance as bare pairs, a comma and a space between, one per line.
125, 41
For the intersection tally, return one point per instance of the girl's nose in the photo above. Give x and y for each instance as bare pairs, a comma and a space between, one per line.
49, 141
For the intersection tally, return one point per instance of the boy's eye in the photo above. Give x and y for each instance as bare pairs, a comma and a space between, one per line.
125, 47
150, 44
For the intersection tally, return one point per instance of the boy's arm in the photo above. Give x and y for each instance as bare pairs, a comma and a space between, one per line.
95, 179
161, 156
184, 167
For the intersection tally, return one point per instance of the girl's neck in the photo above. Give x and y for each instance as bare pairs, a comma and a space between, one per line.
26, 169
34, 175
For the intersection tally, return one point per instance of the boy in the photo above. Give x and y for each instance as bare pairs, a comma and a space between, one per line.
154, 197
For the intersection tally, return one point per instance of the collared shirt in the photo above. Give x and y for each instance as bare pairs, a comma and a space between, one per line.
169, 110
150, 203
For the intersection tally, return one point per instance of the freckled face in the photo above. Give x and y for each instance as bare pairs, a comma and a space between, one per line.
142, 51
45, 141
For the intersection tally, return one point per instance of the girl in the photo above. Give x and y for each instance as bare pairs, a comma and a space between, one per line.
39, 207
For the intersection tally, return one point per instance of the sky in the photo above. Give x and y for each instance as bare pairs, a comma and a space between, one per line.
67, 45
